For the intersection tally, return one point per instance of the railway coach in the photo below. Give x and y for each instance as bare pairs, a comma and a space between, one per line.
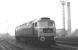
42, 30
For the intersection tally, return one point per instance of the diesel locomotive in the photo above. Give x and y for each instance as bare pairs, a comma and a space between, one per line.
42, 30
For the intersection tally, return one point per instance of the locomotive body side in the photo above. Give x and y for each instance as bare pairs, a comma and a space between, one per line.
25, 32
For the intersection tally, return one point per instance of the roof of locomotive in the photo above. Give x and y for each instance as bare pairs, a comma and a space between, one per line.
41, 19
45, 18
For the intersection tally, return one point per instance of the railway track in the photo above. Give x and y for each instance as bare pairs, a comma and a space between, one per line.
65, 47
8, 46
2, 47
11, 44
54, 47
31, 46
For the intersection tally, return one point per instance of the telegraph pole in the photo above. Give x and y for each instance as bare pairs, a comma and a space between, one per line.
7, 25
63, 7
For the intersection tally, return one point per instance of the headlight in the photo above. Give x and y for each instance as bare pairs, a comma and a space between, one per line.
42, 39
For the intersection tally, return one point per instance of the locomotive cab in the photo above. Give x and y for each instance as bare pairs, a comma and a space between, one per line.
46, 29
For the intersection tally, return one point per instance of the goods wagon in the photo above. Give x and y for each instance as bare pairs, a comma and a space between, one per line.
42, 30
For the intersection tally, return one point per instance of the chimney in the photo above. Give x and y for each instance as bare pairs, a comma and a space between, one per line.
69, 17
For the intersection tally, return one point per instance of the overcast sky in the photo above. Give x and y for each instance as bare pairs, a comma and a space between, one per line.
16, 12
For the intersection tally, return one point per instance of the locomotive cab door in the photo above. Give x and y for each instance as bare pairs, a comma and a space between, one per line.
35, 30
